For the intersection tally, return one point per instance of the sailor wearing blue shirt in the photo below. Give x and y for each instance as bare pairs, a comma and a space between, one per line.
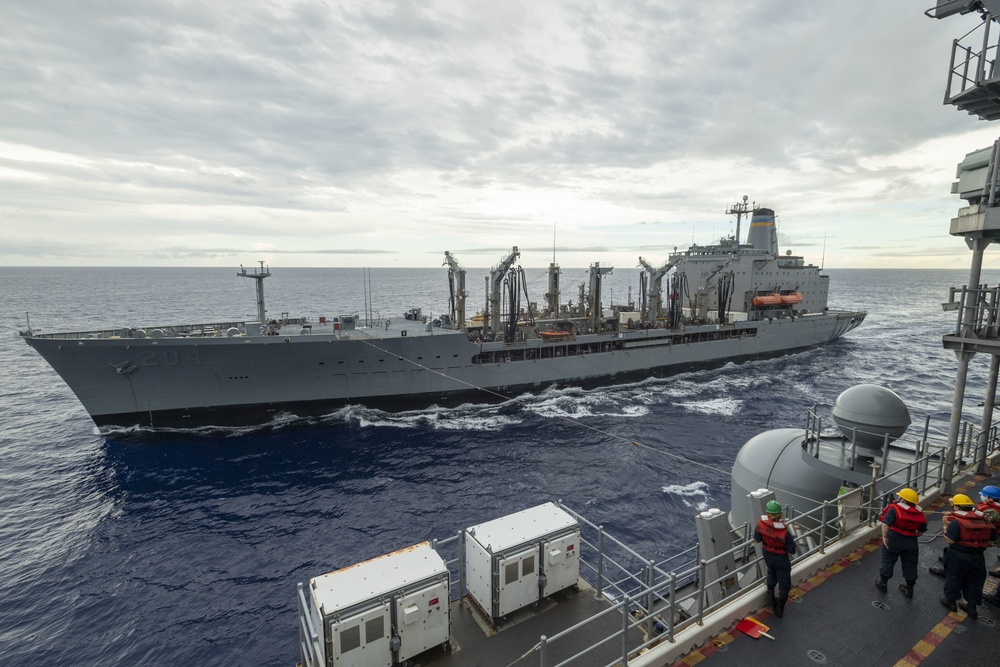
902, 520
968, 534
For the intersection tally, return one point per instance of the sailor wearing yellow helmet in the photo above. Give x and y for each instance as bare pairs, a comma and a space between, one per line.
902, 520
967, 534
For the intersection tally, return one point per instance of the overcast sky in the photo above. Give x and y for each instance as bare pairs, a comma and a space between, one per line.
384, 133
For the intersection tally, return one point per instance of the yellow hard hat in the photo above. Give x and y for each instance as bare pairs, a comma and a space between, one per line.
909, 495
961, 500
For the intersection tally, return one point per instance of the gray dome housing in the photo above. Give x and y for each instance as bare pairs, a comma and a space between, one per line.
774, 459
866, 413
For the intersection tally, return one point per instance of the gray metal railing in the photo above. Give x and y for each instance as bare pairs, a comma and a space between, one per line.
978, 311
658, 600
310, 647
683, 590
973, 60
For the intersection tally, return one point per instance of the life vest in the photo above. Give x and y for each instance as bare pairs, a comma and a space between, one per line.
772, 535
909, 519
990, 505
973, 530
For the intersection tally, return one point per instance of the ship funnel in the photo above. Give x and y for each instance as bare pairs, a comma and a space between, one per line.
763, 232
867, 413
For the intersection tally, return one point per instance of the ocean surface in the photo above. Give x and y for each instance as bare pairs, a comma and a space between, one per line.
185, 547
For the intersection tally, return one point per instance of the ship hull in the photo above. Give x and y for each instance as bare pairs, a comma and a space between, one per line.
218, 381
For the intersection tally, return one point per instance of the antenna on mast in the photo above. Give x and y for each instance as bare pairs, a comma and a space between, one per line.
739, 210
822, 261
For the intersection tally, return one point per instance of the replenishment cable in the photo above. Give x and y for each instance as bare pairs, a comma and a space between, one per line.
608, 434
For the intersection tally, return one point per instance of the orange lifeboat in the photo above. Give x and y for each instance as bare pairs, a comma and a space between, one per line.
767, 300
789, 299
553, 336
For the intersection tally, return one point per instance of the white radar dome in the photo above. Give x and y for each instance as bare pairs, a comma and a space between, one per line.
774, 459
867, 413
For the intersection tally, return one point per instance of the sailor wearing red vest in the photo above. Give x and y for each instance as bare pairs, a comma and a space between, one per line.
902, 520
777, 544
989, 505
967, 534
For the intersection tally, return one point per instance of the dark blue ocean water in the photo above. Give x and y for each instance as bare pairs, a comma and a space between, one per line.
185, 548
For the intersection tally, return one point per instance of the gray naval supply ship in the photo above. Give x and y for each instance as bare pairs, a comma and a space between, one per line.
545, 586
706, 305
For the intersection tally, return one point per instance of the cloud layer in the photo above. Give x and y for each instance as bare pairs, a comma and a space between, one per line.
384, 133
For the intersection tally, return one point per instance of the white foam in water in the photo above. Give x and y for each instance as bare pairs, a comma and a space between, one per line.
715, 406
462, 418
635, 411
693, 495
576, 403
278, 421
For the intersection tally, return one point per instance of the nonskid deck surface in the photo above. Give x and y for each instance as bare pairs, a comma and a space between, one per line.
475, 644
838, 617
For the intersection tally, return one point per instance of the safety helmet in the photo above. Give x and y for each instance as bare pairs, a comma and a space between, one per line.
961, 500
772, 507
991, 492
909, 495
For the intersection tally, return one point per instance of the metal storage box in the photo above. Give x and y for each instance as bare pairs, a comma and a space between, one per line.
513, 561
385, 610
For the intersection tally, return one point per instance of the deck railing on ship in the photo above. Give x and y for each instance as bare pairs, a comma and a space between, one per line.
171, 331
972, 77
973, 60
664, 598
978, 311
657, 600
681, 589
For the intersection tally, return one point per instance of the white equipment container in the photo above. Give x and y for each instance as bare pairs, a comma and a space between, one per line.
383, 611
514, 561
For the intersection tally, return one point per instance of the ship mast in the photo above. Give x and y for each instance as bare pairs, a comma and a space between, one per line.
739, 210
259, 276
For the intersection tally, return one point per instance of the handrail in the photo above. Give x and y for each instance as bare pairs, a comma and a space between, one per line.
818, 529
310, 648
980, 57
668, 597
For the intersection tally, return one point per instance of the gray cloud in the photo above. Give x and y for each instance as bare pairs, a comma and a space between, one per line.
159, 129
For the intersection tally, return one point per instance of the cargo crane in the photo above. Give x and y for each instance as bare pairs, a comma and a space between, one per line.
493, 284
456, 290
654, 293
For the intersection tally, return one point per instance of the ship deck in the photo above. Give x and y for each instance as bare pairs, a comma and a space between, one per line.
381, 328
835, 617
475, 644
838, 617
